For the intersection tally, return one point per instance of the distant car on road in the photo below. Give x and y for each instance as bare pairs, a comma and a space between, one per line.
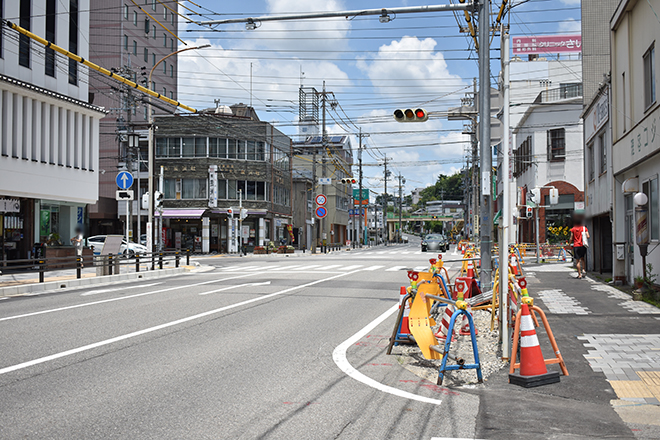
96, 242
435, 242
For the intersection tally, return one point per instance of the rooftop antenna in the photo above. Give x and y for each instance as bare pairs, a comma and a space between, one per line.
217, 103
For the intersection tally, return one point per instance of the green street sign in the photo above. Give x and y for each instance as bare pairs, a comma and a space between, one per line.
365, 194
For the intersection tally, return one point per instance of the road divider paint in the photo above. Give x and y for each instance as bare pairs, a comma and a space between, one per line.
96, 292
103, 301
120, 338
340, 358
265, 283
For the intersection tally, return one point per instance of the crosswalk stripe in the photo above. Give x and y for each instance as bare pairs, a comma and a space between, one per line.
286, 267
237, 268
395, 268
373, 267
420, 268
393, 253
311, 266
349, 267
332, 266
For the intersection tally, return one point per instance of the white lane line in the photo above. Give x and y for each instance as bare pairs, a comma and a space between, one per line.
163, 326
332, 266
59, 309
95, 292
395, 268
286, 267
372, 268
350, 267
265, 283
308, 267
236, 269
339, 356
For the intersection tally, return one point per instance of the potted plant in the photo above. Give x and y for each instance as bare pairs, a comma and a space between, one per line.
281, 250
290, 250
258, 250
639, 282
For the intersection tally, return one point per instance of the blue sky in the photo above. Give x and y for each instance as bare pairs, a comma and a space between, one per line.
372, 68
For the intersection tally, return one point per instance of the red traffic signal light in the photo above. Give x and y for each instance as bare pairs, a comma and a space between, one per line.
410, 115
348, 181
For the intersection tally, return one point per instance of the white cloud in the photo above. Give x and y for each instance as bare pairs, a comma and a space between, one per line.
571, 2
570, 26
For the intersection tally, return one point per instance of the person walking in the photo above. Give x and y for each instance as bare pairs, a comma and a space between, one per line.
78, 242
580, 235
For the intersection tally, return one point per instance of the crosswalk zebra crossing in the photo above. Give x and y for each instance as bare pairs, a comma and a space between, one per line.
302, 268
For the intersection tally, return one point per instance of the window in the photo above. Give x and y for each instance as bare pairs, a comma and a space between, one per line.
134, 47
153, 59
146, 55
171, 71
188, 147
523, 157
25, 11
251, 150
251, 191
126, 12
73, 41
231, 149
654, 209
232, 194
171, 95
222, 189
153, 31
169, 188
146, 26
164, 40
623, 101
200, 147
557, 144
649, 76
590, 161
172, 44
50, 36
603, 153
125, 43
135, 18
165, 67
164, 92
173, 17
193, 188
240, 150
164, 12
153, 4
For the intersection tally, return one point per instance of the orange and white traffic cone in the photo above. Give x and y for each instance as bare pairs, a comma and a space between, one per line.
470, 269
514, 265
441, 335
465, 329
533, 372
405, 328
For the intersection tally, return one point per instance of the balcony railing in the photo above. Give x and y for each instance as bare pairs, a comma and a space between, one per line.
564, 92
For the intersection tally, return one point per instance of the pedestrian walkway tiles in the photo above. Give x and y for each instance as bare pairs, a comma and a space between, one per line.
639, 307
631, 363
558, 302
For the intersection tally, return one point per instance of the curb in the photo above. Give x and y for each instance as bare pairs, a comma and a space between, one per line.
56, 286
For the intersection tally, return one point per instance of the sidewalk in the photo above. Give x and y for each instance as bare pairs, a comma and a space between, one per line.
611, 344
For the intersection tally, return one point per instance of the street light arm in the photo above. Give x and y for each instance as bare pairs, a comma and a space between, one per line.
169, 55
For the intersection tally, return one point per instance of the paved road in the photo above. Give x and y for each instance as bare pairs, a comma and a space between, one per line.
242, 351
294, 348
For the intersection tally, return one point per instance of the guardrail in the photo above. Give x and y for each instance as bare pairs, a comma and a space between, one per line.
109, 263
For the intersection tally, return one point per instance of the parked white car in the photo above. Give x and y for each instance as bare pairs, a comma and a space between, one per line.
96, 242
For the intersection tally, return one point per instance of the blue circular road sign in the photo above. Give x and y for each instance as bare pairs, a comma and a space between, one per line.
321, 212
124, 180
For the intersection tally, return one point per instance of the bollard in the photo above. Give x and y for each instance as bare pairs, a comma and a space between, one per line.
160, 260
153, 261
137, 262
78, 267
176, 259
109, 264
187, 257
41, 271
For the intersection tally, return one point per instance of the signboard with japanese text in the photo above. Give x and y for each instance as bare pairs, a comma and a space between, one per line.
213, 186
642, 141
547, 44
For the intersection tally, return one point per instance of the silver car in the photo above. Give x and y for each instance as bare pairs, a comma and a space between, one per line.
435, 242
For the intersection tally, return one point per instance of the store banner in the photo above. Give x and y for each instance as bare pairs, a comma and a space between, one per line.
213, 186
289, 228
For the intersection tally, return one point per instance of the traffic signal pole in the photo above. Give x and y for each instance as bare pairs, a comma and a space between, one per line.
486, 224
385, 205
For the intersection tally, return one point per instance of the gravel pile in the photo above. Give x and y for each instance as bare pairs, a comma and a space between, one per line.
412, 359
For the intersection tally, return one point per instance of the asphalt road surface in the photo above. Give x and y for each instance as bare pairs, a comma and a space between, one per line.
270, 347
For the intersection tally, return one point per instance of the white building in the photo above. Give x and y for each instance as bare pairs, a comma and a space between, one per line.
48, 133
635, 137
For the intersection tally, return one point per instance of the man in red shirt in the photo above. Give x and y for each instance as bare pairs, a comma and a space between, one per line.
579, 246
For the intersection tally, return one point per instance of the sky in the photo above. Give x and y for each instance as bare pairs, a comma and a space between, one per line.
373, 68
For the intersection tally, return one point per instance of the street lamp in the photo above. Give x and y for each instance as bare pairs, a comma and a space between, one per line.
150, 231
133, 144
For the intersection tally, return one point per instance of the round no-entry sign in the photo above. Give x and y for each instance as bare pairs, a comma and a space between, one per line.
321, 212
321, 199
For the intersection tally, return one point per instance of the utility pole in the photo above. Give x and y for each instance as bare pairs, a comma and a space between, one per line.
505, 237
486, 224
314, 184
475, 166
360, 223
324, 145
385, 204
401, 182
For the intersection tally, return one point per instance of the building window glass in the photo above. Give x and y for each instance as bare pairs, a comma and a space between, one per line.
556, 144
188, 147
164, 40
200, 147
171, 71
251, 150
172, 44
153, 31
135, 18
603, 153
125, 43
164, 12
169, 189
146, 55
193, 188
231, 190
153, 59
164, 92
222, 189
173, 17
590, 161
134, 47
231, 149
126, 12
73, 41
50, 36
153, 4
218, 148
147, 25
25, 12
649, 76
171, 95
251, 191
654, 209
165, 67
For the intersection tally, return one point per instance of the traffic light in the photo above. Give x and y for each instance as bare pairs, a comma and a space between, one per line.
158, 199
243, 213
349, 181
410, 115
535, 196
529, 212
554, 196
230, 212
145, 200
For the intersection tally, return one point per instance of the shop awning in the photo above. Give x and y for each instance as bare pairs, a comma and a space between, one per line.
183, 213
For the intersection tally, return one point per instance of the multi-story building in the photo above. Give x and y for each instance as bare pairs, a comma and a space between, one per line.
334, 162
635, 138
130, 40
548, 153
596, 15
49, 141
215, 161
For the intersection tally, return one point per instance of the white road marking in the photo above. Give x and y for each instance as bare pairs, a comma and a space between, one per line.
166, 325
395, 268
95, 292
349, 267
286, 267
59, 309
373, 268
236, 269
333, 266
308, 267
339, 356
265, 283
421, 268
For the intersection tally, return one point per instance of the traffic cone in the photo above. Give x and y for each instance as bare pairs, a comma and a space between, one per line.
441, 335
405, 328
533, 372
514, 265
465, 329
470, 270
